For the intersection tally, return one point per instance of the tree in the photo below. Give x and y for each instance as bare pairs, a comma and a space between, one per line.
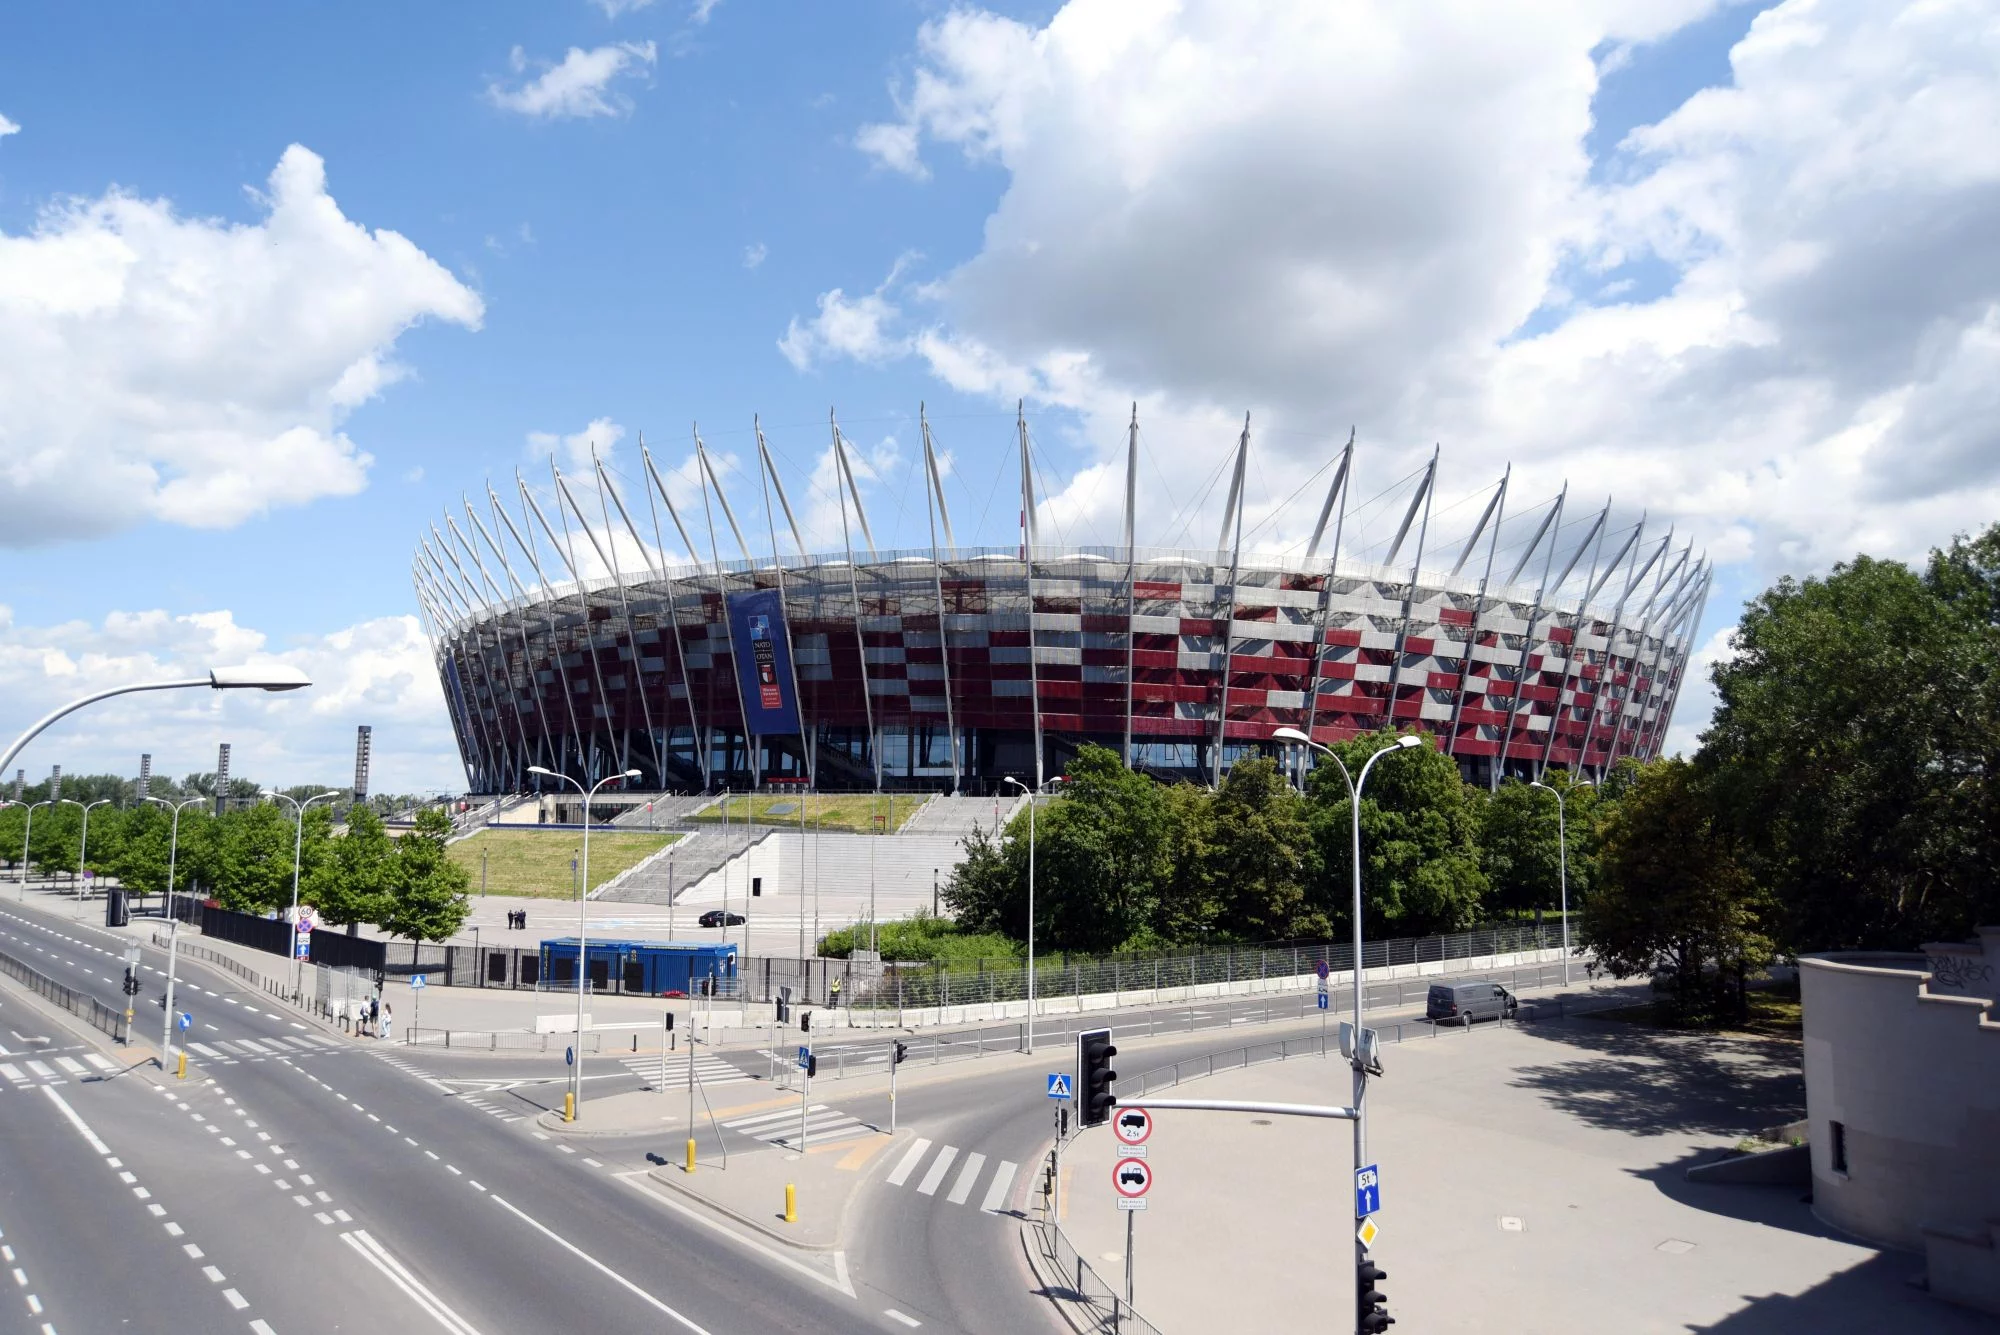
428, 898
355, 880
1258, 856
1188, 907
1674, 899
1519, 849
1420, 871
140, 860
980, 893
1853, 750
248, 862
1098, 853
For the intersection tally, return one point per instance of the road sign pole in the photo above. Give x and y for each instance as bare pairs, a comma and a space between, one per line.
1129, 1216
805, 1091
893, 1064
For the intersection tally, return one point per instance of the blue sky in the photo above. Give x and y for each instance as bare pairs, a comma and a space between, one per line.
642, 265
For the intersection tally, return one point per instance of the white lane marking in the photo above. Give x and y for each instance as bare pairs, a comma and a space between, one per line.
262, 1328
602, 1268
967, 1175
378, 1256
82, 1127
939, 1167
42, 1069
996, 1193
907, 1320
236, 1300
908, 1163
71, 1065
101, 1063
214, 1276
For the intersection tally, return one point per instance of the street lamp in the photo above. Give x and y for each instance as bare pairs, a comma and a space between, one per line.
174, 923
275, 677
83, 849
1562, 859
1031, 794
24, 845
574, 1099
1354, 787
298, 853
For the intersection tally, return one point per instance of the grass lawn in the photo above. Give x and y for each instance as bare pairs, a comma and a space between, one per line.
1774, 1013
536, 862
853, 812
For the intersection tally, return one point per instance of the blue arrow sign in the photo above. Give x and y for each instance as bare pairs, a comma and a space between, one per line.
1058, 1086
1322, 1001
569, 1056
1367, 1191
187, 1021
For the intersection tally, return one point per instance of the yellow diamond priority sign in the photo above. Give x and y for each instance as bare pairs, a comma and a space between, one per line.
1367, 1232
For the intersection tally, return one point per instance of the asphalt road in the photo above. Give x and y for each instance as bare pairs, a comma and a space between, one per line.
408, 1189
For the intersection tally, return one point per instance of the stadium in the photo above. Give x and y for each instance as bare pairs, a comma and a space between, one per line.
947, 668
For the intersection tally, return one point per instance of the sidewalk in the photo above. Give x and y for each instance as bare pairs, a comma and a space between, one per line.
1528, 1175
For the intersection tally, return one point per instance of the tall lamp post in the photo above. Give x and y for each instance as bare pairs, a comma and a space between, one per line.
574, 1100
1354, 788
24, 845
1562, 859
298, 854
83, 848
1031, 794
174, 923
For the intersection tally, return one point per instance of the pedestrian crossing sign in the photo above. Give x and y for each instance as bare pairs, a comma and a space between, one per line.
1058, 1086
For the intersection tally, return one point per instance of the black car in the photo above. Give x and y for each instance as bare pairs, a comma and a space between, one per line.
717, 918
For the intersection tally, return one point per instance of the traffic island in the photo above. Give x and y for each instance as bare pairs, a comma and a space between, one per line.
750, 1190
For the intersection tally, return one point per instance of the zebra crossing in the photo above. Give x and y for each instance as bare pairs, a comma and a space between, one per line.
229, 1051
822, 1124
971, 1168
708, 1070
28, 1072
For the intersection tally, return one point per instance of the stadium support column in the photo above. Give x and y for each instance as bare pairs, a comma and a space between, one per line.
462, 664
1231, 537
618, 740
532, 685
708, 479
1552, 520
1606, 669
1131, 577
1663, 614
1655, 602
854, 586
637, 676
773, 482
659, 492
1028, 537
566, 548
435, 622
584, 742
1689, 627
933, 508
1592, 583
1410, 593
1335, 494
1496, 510
549, 606
495, 598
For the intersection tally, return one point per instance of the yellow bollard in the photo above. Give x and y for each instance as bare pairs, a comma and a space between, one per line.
690, 1155
569, 1106
182, 1073
791, 1204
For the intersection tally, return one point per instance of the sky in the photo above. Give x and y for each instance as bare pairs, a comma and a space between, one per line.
279, 285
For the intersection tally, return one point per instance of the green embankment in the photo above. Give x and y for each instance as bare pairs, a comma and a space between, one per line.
536, 863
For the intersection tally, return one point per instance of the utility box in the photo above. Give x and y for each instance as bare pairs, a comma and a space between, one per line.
640, 968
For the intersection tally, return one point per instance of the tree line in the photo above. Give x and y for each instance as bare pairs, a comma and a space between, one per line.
1845, 796
243, 859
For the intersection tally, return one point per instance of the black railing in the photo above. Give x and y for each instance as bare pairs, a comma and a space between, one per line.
88, 1009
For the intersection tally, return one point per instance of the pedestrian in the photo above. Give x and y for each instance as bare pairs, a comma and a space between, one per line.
374, 1013
388, 1022
835, 990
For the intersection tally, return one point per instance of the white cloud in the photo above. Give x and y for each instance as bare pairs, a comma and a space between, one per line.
192, 370
617, 8
754, 253
8, 127
581, 85
572, 452
1197, 216
377, 672
701, 11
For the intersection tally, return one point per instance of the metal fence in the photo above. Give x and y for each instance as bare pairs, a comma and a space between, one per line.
89, 1009
1094, 1304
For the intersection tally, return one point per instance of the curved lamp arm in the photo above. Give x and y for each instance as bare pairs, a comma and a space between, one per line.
276, 678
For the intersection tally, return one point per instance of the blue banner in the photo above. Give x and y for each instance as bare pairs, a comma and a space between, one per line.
763, 662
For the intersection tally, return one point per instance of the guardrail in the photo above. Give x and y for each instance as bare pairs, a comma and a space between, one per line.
89, 1009
1092, 1304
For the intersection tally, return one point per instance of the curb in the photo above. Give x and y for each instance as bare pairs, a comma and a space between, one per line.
666, 1178
551, 1120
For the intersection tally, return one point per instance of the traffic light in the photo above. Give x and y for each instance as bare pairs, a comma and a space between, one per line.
131, 982
805, 1022
1370, 1304
812, 1065
902, 1050
670, 1021
1094, 1077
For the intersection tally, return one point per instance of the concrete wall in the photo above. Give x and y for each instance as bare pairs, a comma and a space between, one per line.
1913, 1078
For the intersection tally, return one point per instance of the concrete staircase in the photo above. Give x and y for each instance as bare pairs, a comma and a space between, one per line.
665, 876
957, 816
